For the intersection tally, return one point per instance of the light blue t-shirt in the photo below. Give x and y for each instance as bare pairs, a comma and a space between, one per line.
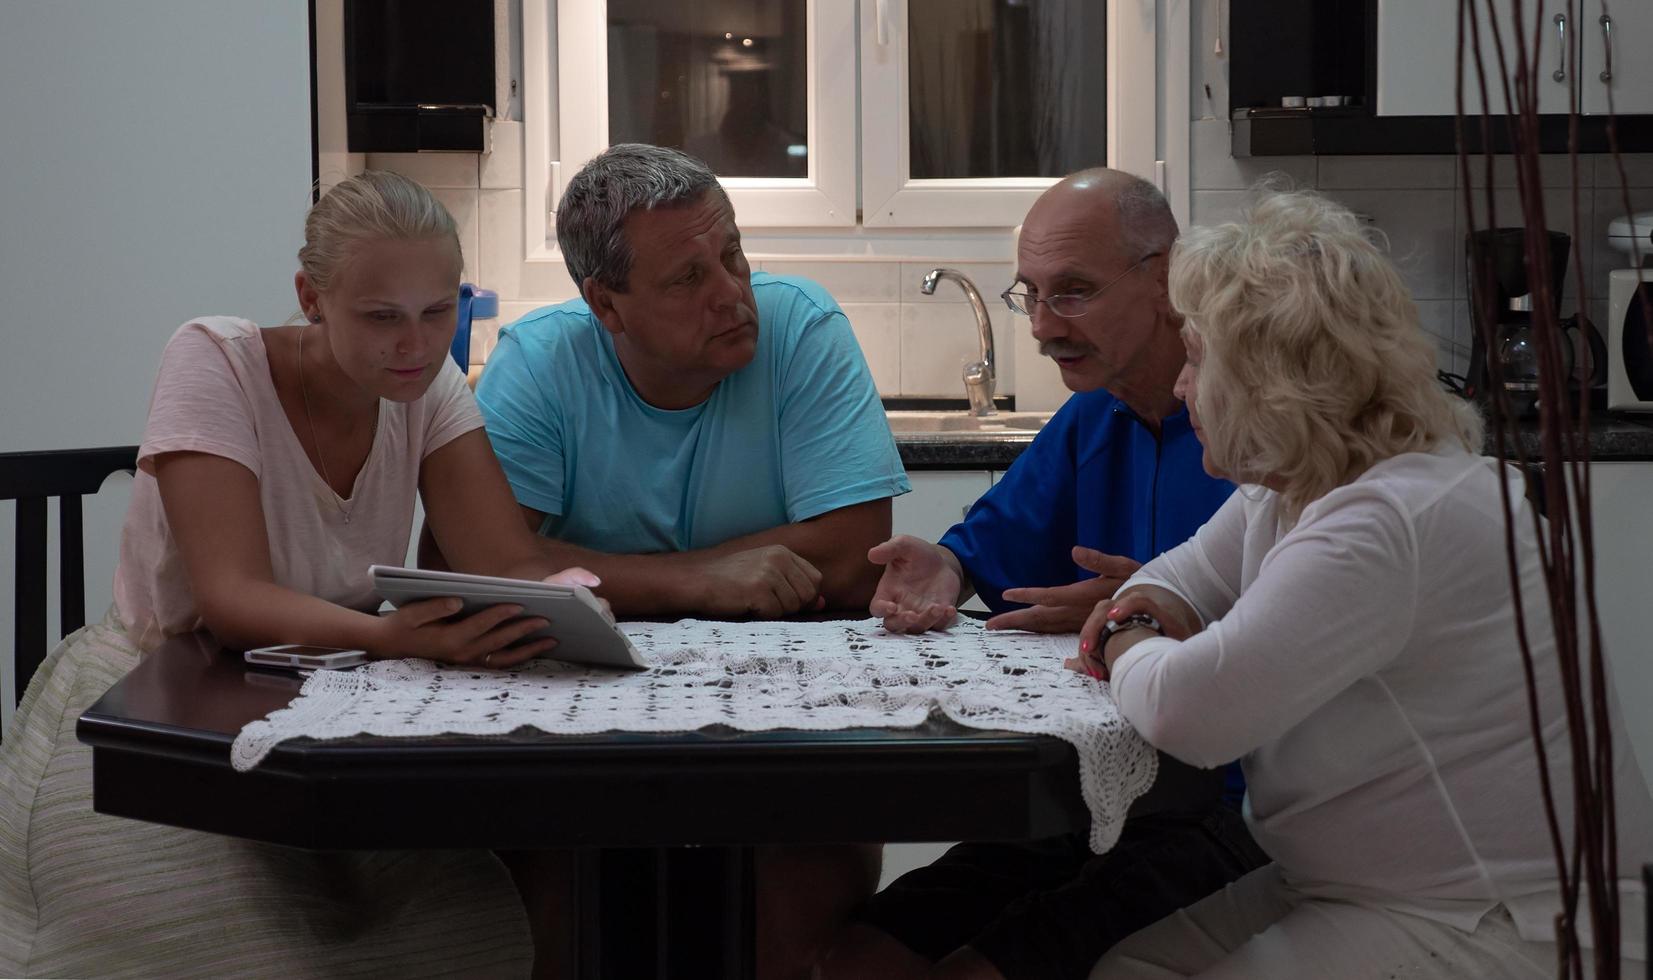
796, 433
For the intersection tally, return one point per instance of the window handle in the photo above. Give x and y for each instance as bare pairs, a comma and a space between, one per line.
1560, 73
1607, 48
881, 21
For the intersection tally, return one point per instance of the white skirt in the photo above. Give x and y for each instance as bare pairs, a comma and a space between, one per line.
88, 895
1260, 926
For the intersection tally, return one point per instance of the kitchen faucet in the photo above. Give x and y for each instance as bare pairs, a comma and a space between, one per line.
979, 378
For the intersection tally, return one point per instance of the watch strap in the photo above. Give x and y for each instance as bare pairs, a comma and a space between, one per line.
1141, 619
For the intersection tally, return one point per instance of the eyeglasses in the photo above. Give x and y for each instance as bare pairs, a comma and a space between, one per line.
1067, 305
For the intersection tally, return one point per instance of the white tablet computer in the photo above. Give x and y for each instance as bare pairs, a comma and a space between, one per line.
584, 632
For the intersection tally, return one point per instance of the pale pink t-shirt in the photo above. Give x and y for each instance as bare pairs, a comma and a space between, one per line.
214, 395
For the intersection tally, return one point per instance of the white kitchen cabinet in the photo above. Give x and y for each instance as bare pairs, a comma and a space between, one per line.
1622, 513
1619, 43
1417, 51
938, 501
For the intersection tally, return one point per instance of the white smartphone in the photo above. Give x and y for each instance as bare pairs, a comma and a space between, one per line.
306, 657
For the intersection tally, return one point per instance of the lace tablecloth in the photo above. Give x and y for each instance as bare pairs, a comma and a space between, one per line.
750, 677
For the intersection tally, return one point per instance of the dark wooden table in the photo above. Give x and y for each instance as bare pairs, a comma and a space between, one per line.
679, 812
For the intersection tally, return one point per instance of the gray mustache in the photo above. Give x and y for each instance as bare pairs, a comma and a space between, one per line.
1062, 348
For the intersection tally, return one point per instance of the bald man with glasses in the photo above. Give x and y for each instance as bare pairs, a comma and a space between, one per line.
1114, 479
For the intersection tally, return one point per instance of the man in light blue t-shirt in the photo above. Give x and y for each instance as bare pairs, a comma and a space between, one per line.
706, 440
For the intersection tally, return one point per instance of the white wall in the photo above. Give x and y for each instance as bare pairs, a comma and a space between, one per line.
154, 165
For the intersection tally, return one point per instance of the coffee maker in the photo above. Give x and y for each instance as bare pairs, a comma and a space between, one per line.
1497, 264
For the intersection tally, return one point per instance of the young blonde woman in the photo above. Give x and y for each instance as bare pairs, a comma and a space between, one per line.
1344, 625
277, 464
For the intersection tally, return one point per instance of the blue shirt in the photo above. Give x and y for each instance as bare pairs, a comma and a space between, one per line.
1094, 476
794, 434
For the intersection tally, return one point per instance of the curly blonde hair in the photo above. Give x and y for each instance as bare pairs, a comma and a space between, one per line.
1314, 365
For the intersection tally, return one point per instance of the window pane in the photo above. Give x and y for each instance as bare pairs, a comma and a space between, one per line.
724, 80
1007, 88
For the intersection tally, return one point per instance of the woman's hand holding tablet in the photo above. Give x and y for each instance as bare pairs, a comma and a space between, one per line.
579, 623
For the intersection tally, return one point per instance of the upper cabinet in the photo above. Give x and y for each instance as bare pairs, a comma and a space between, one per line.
1417, 57
844, 113
1382, 76
421, 74
1614, 40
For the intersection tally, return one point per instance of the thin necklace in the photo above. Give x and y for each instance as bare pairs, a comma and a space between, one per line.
310, 422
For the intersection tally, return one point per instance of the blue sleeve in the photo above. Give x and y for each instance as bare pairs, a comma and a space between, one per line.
1022, 531
836, 448
524, 424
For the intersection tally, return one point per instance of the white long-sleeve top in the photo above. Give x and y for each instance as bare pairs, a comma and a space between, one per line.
1363, 664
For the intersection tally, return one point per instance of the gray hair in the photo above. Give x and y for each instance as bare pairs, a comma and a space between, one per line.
1146, 224
592, 215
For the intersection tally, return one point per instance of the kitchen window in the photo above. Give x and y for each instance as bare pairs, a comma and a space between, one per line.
824, 114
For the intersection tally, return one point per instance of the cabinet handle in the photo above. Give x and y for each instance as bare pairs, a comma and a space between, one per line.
1560, 73
1607, 48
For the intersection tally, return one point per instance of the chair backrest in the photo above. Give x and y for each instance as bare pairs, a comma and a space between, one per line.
30, 479
1534, 472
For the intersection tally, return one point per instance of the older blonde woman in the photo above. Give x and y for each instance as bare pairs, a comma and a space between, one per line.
1345, 626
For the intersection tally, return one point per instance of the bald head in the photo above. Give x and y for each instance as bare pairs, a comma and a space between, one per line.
1127, 213
1091, 235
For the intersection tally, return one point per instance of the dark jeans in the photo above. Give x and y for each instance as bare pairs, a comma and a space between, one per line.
1049, 909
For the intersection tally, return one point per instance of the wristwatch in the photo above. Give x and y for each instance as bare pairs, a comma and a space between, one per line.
1132, 621
1112, 626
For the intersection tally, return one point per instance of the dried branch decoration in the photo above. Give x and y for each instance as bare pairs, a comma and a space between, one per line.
1587, 863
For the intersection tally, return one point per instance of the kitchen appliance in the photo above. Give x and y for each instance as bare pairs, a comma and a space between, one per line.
1497, 265
1632, 234
1630, 340
1629, 306
1499, 288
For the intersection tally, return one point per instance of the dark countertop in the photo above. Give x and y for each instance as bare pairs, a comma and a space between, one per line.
1614, 437
1617, 437
927, 452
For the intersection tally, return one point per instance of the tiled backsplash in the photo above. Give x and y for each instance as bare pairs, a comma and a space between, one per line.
1418, 203
917, 345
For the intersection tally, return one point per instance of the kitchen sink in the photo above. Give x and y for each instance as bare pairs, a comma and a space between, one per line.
962, 425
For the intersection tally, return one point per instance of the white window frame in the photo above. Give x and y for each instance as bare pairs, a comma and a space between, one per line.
892, 198
824, 198
560, 138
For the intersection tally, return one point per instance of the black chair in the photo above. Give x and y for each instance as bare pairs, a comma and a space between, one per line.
1534, 472
29, 479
